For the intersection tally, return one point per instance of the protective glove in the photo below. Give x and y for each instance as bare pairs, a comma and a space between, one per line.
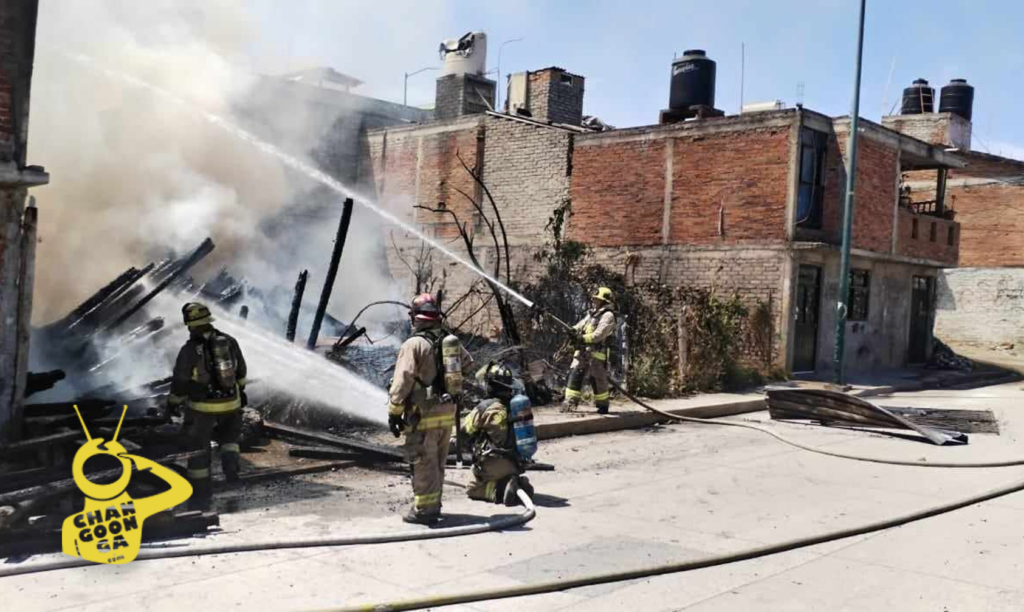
396, 424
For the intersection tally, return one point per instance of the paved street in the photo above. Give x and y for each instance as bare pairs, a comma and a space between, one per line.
629, 500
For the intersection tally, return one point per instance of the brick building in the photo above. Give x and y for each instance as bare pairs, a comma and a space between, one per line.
983, 302
749, 204
17, 222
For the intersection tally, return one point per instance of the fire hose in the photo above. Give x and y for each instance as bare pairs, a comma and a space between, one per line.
594, 579
503, 522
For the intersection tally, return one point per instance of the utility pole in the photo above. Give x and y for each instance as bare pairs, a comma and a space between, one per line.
497, 93
842, 308
405, 86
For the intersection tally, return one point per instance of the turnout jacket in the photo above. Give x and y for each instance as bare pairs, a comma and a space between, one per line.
194, 379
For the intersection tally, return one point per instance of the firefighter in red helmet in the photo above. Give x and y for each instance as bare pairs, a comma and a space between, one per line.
422, 405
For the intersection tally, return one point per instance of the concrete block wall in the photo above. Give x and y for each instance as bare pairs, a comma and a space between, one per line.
935, 128
882, 341
687, 187
980, 306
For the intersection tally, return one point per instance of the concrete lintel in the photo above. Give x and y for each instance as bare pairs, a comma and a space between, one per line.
919, 154
1013, 181
32, 176
705, 127
884, 257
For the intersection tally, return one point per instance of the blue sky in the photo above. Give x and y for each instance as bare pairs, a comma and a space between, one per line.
625, 49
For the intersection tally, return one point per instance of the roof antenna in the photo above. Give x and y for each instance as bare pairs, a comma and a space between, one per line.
86, 429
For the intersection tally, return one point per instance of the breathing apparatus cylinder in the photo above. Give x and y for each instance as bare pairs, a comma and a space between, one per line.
522, 423
451, 355
223, 362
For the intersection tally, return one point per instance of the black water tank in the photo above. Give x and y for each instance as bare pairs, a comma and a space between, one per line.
693, 81
918, 99
957, 98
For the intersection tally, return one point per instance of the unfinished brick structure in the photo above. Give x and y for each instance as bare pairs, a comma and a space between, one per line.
715, 203
17, 223
748, 204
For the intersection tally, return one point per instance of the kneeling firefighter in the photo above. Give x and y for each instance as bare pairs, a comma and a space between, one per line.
497, 466
422, 396
209, 381
594, 339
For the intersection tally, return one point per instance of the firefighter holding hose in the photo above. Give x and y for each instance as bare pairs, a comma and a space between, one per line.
593, 340
422, 396
209, 381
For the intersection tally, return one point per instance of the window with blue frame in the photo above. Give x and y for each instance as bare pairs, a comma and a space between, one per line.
811, 192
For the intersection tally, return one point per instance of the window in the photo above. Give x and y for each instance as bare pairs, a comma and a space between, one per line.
950, 234
860, 290
813, 150
566, 79
913, 229
932, 233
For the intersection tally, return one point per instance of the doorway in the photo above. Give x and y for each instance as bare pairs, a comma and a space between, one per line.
808, 302
922, 291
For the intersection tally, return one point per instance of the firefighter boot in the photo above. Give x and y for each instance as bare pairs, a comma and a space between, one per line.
229, 463
524, 484
202, 495
511, 497
421, 519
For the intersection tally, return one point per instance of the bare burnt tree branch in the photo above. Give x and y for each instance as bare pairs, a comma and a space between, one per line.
475, 312
473, 290
490, 227
497, 216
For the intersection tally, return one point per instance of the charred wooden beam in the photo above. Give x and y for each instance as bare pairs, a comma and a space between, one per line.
332, 273
319, 452
124, 293
197, 255
347, 341
827, 405
293, 315
367, 448
37, 382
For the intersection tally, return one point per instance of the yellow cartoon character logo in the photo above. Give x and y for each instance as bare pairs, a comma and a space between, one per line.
109, 530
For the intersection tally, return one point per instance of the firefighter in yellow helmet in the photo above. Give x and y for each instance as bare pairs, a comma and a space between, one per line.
497, 469
209, 381
595, 332
421, 405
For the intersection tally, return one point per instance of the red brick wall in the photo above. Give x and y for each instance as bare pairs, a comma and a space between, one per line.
618, 193
992, 221
922, 247
618, 189
743, 174
875, 193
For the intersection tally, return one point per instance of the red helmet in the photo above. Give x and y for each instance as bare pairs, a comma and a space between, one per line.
424, 308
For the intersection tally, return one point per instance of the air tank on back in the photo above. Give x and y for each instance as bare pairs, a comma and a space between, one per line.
918, 99
957, 98
693, 81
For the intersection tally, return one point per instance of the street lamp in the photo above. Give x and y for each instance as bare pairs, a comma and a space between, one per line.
497, 94
405, 87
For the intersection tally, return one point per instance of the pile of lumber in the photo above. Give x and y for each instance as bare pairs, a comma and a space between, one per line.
835, 408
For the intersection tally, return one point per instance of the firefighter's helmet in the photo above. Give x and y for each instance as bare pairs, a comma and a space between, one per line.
196, 314
499, 381
425, 308
605, 295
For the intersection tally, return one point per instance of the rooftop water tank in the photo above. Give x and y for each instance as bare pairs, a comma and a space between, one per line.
918, 99
466, 55
693, 81
957, 98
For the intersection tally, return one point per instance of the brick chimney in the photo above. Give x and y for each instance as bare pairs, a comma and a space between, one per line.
551, 95
463, 94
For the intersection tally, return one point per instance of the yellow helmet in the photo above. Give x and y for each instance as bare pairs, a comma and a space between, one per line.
604, 294
196, 314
